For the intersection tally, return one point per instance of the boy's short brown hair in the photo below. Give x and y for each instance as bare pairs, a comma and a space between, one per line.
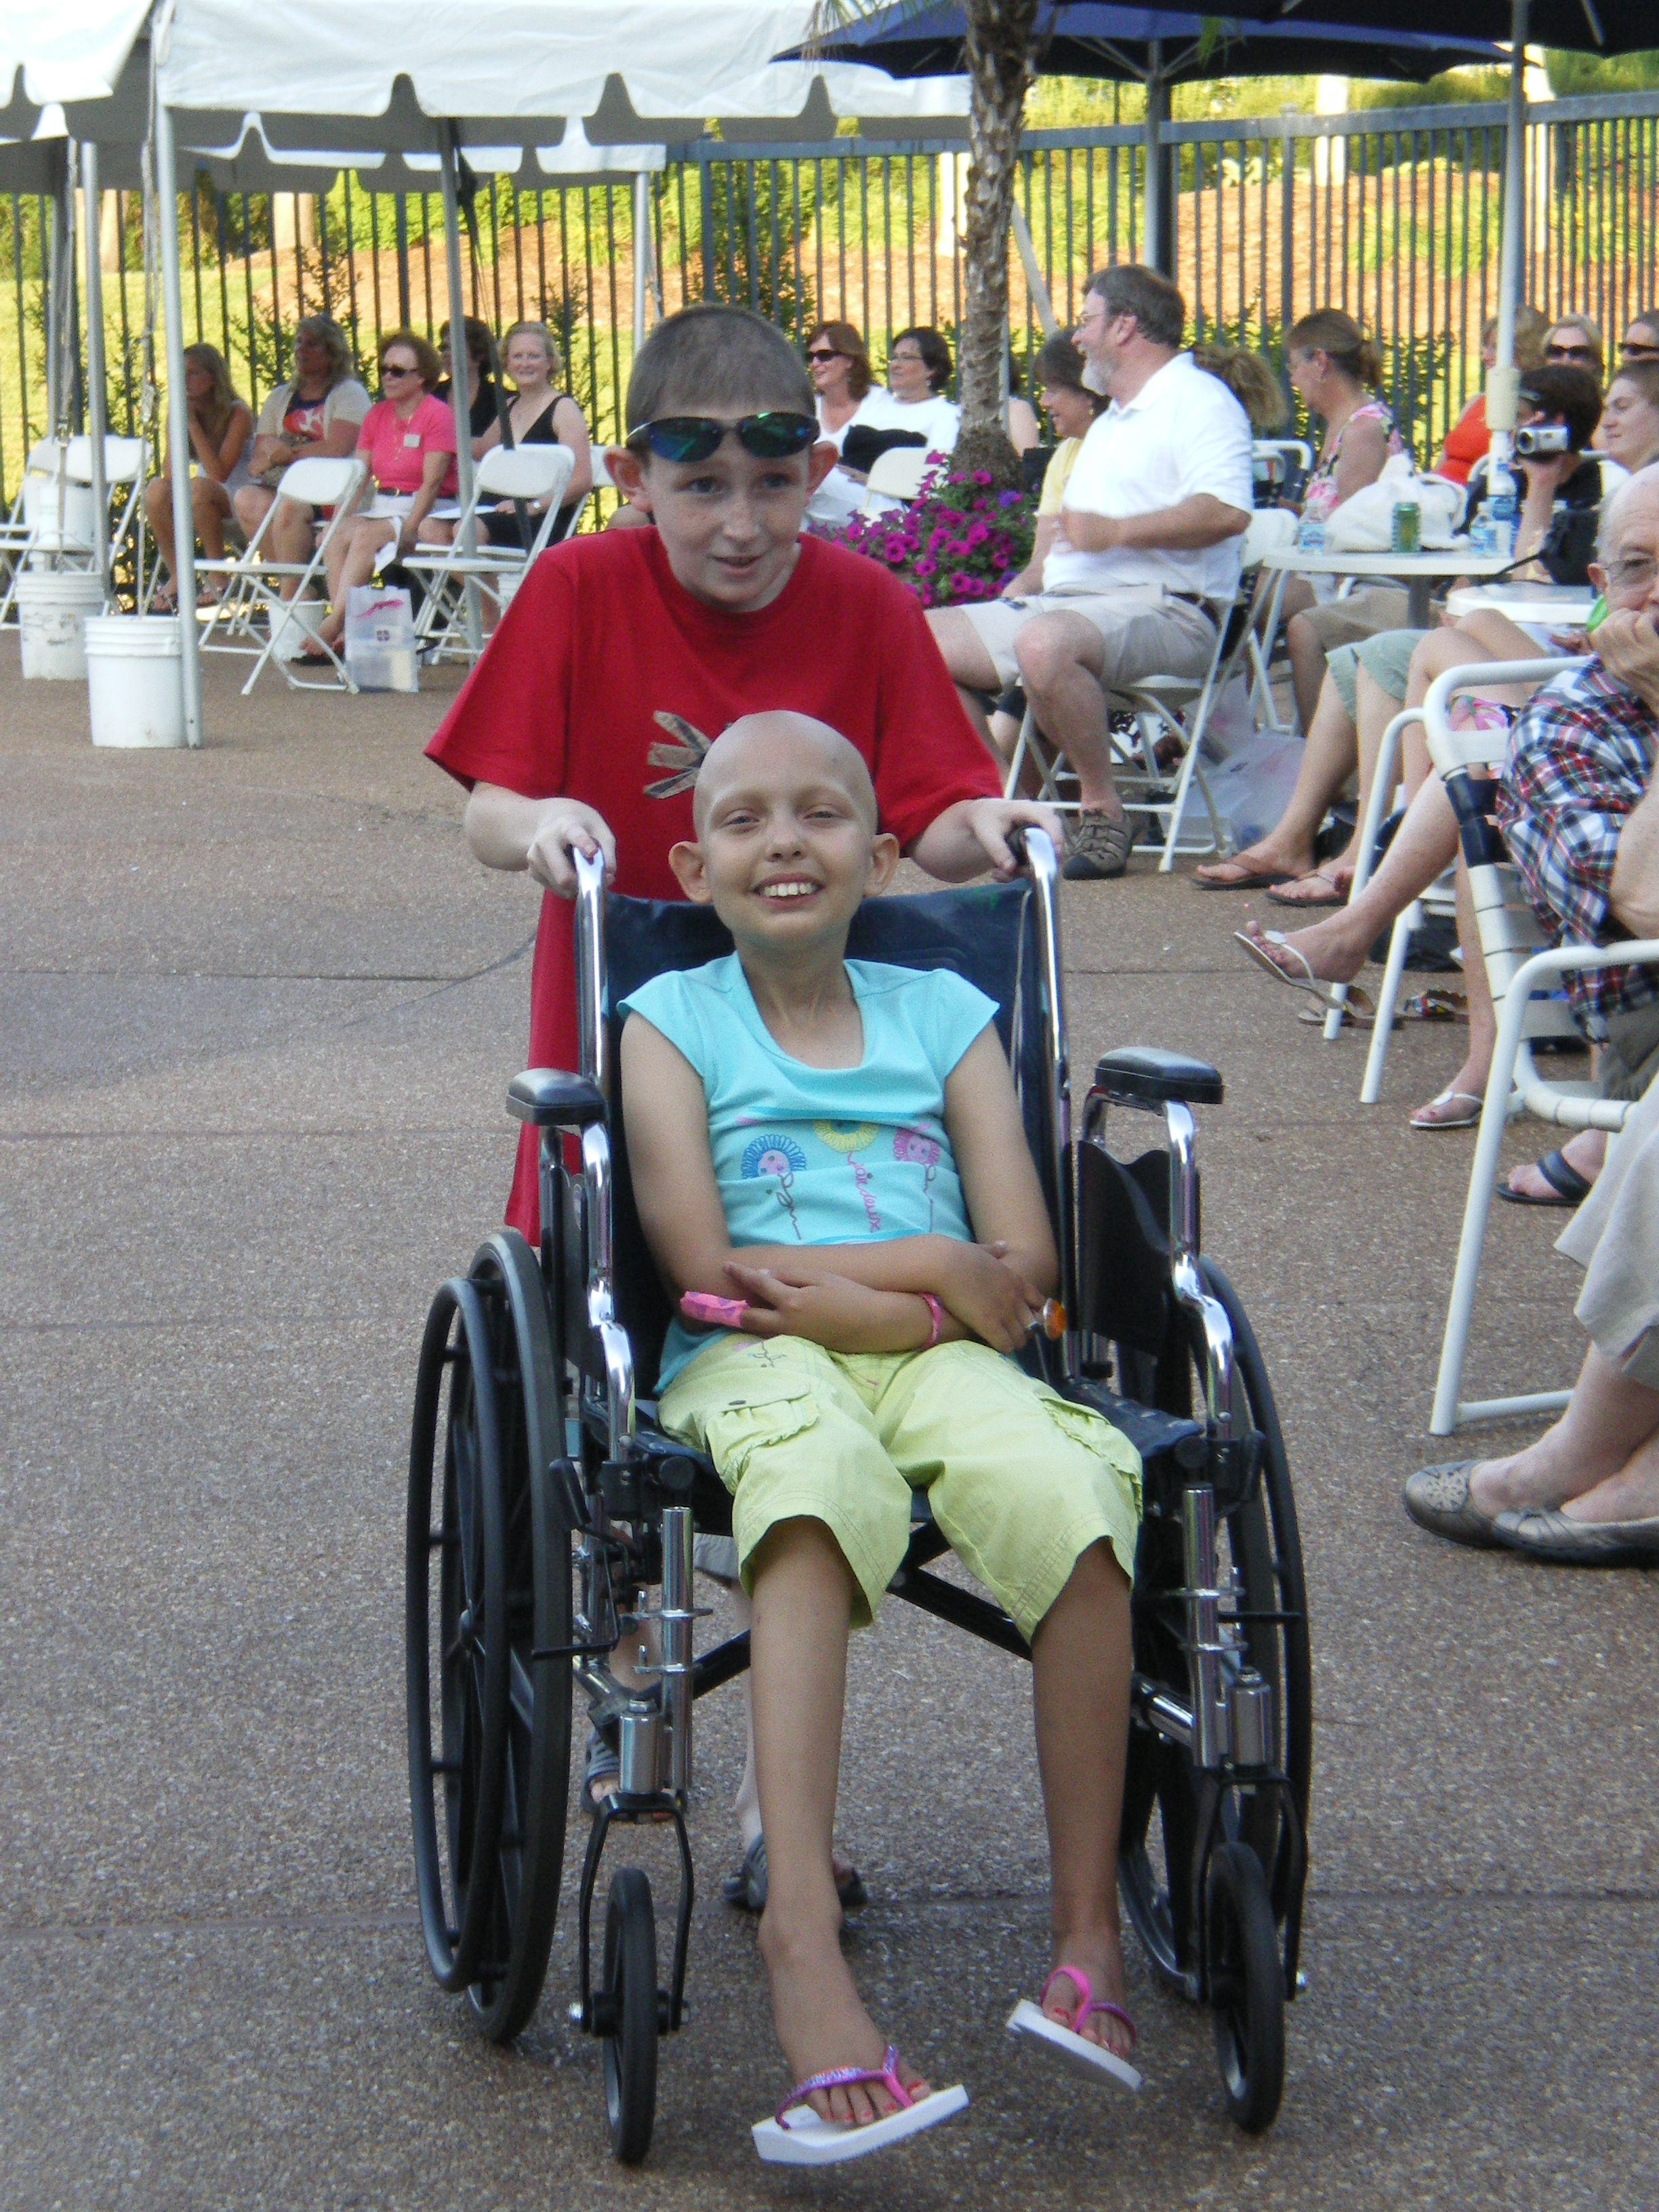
713, 356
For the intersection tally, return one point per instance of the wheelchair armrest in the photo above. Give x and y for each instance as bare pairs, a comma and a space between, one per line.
1147, 1076
548, 1098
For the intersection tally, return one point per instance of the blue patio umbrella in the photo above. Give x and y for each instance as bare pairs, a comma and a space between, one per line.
1157, 48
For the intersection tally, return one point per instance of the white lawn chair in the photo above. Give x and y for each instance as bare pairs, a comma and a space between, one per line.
536, 474
896, 474
252, 582
52, 517
1518, 964
1162, 707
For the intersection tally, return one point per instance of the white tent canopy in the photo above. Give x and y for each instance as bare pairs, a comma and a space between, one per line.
371, 83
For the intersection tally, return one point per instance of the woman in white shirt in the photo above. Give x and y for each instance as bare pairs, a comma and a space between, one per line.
848, 393
918, 370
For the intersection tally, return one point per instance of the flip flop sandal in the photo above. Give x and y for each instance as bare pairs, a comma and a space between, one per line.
1353, 1017
1073, 2049
1450, 1098
1096, 847
746, 1888
1436, 1006
1358, 1000
1438, 1499
309, 659
1338, 891
806, 2140
1252, 879
1568, 1186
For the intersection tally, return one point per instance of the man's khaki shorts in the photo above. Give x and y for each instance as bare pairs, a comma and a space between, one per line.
1142, 632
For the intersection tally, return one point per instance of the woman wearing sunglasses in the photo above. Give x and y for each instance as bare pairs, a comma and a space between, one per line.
846, 392
408, 439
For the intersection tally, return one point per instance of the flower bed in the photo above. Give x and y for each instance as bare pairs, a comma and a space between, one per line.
960, 541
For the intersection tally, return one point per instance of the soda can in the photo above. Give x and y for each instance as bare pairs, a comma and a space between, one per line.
1406, 532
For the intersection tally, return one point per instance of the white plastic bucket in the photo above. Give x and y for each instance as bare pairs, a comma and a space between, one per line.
297, 624
52, 606
136, 680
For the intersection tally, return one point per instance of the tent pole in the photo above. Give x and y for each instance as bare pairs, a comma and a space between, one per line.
458, 376
1515, 187
96, 425
184, 522
54, 296
641, 234
1155, 222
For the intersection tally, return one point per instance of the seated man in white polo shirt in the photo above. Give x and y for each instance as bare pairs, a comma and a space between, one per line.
1145, 560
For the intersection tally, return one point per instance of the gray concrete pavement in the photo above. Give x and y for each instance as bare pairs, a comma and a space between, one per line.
256, 1011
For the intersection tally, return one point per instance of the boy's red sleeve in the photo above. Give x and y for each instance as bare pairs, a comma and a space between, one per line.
928, 754
510, 722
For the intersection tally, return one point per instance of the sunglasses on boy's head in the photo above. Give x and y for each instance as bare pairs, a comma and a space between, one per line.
698, 437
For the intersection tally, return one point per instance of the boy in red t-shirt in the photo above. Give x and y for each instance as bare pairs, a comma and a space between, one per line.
623, 655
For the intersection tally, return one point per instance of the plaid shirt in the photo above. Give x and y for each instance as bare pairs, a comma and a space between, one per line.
1580, 760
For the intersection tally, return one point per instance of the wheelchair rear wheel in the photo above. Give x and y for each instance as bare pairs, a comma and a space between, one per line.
1260, 1553
489, 1895
630, 2014
455, 1792
1247, 1987
537, 1540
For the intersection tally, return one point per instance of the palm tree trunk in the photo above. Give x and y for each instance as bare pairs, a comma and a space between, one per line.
998, 46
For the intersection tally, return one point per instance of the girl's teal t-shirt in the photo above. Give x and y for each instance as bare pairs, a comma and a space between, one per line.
822, 1155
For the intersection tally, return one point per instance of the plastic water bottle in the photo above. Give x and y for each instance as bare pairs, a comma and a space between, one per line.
1311, 534
1483, 535
1505, 508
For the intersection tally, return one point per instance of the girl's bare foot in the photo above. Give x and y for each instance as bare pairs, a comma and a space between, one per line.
1332, 949
821, 2020
1099, 1954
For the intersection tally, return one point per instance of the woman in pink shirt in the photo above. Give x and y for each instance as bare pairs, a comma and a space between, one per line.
408, 439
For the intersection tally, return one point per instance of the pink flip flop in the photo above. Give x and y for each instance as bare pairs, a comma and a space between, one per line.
1074, 2049
808, 2140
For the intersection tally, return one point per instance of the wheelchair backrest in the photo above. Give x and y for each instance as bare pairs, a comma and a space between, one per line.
985, 933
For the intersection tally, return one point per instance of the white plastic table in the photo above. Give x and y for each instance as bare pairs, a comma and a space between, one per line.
1417, 571
1564, 605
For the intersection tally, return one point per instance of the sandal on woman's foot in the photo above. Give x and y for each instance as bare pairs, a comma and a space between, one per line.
1096, 847
1333, 890
746, 1888
1358, 1001
1466, 1111
806, 2140
1567, 1186
1072, 2048
1239, 876
164, 600
1438, 1499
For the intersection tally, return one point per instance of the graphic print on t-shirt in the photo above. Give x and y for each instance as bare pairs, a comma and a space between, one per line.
302, 421
684, 755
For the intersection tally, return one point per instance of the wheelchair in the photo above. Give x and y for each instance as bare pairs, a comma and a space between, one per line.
545, 1508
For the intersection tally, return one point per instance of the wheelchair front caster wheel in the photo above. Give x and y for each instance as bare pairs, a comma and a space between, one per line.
631, 1989
1247, 1987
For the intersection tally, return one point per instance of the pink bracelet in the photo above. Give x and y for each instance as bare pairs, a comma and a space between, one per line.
938, 1312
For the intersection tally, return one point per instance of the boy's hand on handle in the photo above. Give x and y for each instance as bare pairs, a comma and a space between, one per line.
567, 825
839, 1315
991, 820
992, 1299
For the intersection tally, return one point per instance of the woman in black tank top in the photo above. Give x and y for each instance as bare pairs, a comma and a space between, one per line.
540, 413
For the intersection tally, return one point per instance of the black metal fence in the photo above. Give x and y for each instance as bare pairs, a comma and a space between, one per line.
1393, 214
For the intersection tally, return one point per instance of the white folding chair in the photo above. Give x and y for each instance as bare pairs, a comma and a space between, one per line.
1518, 964
537, 475
52, 517
1161, 707
896, 474
252, 582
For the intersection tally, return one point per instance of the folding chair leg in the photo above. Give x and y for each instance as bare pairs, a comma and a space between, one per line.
1388, 998
1027, 727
